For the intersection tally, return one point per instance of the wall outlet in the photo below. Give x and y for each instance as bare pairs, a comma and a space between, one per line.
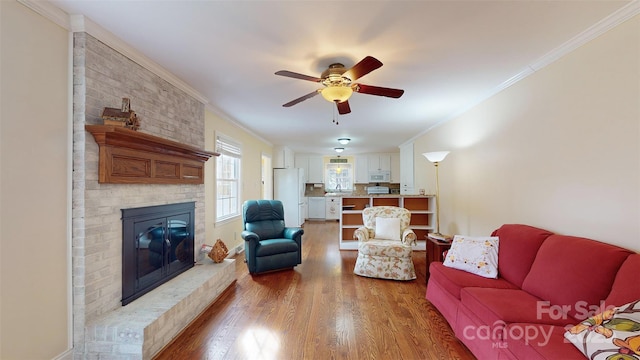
239, 249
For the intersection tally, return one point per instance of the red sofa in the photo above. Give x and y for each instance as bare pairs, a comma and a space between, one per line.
545, 283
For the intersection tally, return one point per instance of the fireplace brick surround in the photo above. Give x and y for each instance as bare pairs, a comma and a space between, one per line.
102, 327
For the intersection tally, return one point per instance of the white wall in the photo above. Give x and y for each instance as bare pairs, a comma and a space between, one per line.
252, 150
34, 178
559, 150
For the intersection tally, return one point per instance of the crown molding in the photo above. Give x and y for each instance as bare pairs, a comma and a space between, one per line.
235, 123
614, 19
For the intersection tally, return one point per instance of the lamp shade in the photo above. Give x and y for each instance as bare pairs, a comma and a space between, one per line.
435, 156
337, 93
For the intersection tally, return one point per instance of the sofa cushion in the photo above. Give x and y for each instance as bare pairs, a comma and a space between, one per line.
539, 342
495, 306
477, 255
453, 280
385, 248
625, 288
276, 246
519, 245
616, 330
574, 272
387, 228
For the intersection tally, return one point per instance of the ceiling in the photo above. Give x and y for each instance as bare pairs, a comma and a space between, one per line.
446, 55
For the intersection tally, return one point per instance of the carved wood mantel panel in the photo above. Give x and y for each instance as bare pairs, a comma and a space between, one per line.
131, 157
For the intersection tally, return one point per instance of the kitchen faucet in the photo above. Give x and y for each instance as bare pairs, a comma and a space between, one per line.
338, 188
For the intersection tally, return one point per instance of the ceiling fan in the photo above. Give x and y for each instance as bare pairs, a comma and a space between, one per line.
339, 84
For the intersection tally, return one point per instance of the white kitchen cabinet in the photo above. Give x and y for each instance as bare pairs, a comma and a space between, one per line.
282, 157
379, 162
407, 186
316, 169
395, 168
362, 169
317, 208
333, 208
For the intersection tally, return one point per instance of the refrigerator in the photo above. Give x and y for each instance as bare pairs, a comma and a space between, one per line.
288, 187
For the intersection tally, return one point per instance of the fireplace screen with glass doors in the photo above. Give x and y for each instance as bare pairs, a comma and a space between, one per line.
157, 245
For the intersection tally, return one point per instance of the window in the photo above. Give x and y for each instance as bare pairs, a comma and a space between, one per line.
339, 177
227, 178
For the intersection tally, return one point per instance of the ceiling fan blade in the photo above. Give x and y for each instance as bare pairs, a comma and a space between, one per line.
343, 107
297, 76
376, 90
302, 98
362, 68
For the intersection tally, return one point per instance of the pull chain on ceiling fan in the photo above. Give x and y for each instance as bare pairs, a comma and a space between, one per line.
339, 84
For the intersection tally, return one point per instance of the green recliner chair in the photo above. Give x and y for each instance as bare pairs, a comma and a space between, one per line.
268, 244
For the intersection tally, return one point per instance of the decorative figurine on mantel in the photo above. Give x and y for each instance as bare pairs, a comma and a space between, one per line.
124, 116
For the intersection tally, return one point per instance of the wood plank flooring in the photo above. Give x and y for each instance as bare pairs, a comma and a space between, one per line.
319, 310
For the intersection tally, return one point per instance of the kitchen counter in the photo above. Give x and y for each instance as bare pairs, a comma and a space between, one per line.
375, 195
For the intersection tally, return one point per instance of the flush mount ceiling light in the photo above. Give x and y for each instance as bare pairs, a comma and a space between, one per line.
344, 141
338, 149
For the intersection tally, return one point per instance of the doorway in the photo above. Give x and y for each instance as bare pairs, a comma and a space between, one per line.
267, 177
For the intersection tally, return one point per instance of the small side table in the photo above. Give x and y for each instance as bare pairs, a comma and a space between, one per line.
435, 248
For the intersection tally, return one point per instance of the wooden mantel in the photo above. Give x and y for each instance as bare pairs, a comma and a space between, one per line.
132, 157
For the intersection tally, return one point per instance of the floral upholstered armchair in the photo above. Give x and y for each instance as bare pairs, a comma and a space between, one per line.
385, 244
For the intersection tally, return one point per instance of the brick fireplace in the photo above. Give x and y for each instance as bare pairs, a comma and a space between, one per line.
102, 77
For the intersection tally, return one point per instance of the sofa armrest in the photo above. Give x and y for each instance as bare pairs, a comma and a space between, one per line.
361, 234
250, 236
294, 233
409, 237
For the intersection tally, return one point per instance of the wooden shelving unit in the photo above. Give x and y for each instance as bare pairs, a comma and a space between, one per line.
422, 215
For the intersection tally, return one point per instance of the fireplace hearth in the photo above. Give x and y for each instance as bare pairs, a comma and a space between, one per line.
157, 245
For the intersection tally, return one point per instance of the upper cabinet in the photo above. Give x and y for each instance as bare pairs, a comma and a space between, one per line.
378, 162
316, 169
313, 166
282, 157
407, 186
366, 163
395, 168
362, 169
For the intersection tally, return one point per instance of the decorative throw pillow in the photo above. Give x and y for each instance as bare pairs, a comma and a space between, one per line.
615, 331
477, 255
388, 228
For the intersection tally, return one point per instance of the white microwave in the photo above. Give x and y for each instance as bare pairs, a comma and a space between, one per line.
380, 176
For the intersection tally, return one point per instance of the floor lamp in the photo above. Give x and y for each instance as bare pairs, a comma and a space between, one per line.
436, 157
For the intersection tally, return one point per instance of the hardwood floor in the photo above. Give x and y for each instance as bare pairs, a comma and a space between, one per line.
320, 310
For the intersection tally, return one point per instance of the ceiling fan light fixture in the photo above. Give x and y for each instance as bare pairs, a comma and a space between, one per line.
337, 93
344, 141
338, 149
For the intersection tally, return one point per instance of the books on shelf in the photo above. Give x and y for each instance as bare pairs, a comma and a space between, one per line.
440, 237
